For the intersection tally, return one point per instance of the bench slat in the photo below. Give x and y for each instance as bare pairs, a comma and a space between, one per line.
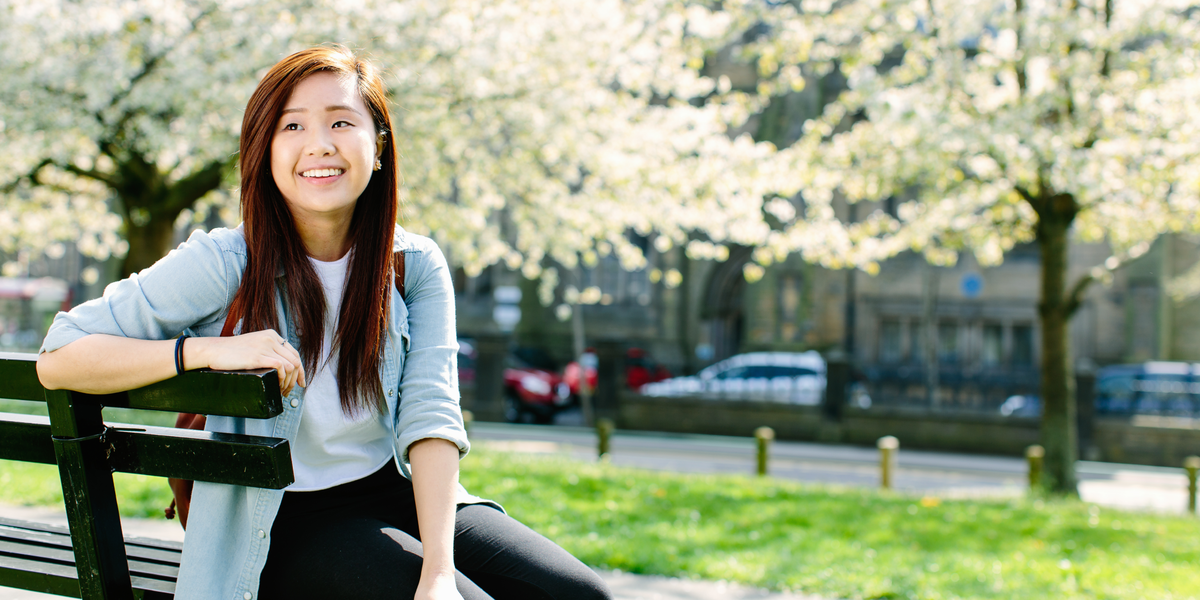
250, 394
57, 536
58, 556
40, 555
39, 577
20, 378
62, 580
26, 438
162, 552
167, 571
233, 459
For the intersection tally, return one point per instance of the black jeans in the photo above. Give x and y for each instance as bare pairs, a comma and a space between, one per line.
360, 540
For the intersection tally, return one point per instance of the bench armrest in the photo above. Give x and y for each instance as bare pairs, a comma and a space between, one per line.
250, 394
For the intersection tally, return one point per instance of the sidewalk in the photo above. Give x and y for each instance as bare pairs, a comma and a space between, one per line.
625, 586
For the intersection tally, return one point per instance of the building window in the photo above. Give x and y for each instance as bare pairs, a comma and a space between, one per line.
1143, 342
790, 289
890, 349
917, 336
993, 345
1022, 345
947, 338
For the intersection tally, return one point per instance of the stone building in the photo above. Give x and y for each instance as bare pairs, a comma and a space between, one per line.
980, 325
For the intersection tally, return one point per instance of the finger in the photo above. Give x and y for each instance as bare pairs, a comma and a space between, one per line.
293, 376
294, 357
282, 368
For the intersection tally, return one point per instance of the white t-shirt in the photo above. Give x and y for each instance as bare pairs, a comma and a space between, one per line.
331, 448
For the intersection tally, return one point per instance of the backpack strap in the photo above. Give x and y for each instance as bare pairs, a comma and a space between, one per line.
398, 262
230, 322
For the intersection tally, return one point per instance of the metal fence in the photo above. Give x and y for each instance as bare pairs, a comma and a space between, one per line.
1009, 392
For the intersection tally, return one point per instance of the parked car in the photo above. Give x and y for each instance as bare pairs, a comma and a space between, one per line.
1149, 388
1022, 405
1154, 387
467, 355
640, 369
533, 390
790, 377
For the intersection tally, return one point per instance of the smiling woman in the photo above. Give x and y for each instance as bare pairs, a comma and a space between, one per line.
367, 366
322, 157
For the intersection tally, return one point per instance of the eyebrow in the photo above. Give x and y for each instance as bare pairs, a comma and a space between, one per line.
335, 107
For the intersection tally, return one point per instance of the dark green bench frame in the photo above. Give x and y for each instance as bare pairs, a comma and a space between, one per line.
87, 452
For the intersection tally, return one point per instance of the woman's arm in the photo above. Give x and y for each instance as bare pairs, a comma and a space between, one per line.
102, 364
435, 483
123, 340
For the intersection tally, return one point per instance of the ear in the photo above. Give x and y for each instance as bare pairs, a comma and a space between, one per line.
379, 144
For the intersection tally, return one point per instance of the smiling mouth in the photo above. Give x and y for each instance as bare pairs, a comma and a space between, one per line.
321, 173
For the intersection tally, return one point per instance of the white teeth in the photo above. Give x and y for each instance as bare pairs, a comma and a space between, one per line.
322, 173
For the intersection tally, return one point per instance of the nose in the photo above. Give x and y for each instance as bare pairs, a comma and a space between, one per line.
319, 142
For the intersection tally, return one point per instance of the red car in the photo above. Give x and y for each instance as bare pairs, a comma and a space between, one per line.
640, 369
533, 390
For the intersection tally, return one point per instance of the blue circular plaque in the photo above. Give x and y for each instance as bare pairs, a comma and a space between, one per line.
971, 285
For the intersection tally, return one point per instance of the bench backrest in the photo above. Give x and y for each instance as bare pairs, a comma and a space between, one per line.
87, 451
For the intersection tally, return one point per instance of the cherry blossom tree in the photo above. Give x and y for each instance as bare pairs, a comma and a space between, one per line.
995, 122
536, 133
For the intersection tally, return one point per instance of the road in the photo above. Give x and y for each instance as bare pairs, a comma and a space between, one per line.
942, 474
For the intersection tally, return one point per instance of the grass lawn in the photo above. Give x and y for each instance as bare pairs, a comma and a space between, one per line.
839, 542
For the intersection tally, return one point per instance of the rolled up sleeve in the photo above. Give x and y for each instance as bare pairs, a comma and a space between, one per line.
429, 397
189, 286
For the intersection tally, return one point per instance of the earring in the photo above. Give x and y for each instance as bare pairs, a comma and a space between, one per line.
378, 164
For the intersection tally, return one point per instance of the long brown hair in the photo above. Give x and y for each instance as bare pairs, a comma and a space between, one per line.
273, 244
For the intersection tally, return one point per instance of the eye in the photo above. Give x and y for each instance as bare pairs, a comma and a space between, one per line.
291, 127
342, 123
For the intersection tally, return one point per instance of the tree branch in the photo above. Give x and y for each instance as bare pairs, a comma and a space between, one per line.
104, 178
1025, 195
188, 190
1075, 297
12, 185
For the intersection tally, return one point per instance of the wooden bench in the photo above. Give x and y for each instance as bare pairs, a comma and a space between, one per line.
93, 559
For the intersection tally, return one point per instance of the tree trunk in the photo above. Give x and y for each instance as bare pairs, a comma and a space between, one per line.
1059, 429
150, 205
148, 242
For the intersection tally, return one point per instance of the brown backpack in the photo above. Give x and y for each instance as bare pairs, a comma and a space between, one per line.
182, 488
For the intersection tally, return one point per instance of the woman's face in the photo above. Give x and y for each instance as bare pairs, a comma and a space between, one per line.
324, 148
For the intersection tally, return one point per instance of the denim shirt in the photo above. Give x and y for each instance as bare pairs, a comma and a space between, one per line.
189, 291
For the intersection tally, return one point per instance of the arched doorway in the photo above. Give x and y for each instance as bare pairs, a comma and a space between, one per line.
722, 317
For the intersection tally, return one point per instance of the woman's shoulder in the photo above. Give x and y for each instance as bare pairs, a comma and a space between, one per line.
407, 241
227, 240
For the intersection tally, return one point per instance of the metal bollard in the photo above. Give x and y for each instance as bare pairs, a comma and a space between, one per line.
1035, 454
604, 431
468, 420
764, 436
1191, 464
889, 447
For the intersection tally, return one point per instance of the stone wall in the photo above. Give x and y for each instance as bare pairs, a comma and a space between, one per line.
1147, 440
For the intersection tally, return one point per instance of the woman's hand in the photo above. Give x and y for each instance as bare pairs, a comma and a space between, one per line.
258, 350
437, 587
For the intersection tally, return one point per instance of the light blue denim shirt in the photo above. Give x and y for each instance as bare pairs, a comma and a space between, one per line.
189, 291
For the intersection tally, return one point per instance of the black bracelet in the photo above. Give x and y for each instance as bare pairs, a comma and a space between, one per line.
179, 354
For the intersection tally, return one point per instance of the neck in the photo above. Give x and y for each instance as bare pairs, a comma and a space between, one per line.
324, 239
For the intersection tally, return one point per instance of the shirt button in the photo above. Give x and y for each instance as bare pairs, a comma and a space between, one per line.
261, 534
295, 403
389, 393
247, 595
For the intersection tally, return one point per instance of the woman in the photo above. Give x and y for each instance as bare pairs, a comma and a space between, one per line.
371, 404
